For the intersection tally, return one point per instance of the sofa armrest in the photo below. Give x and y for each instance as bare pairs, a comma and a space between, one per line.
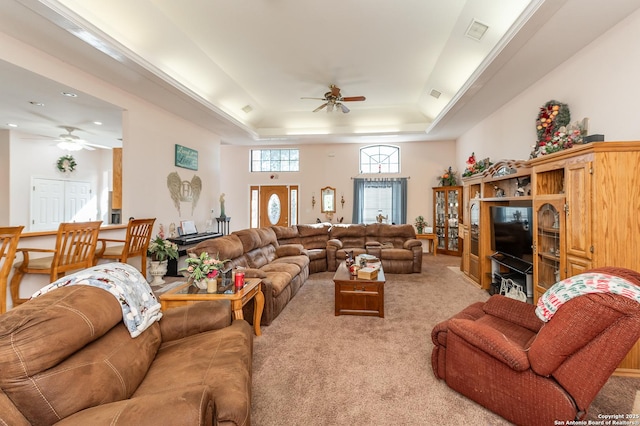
515, 311
335, 243
411, 243
188, 320
191, 405
290, 250
492, 342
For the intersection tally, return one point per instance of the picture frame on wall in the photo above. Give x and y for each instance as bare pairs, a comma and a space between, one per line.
186, 158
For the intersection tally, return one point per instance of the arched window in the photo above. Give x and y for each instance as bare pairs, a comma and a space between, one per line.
380, 159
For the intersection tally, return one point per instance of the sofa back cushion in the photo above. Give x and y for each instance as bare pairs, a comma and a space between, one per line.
68, 350
314, 236
351, 235
394, 234
225, 247
287, 234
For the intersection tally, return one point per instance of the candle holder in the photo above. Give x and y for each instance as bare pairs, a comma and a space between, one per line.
342, 200
313, 201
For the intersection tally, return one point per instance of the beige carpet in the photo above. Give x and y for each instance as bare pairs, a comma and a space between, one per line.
313, 368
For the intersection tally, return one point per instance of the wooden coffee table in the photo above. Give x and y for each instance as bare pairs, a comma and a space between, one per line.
356, 296
186, 294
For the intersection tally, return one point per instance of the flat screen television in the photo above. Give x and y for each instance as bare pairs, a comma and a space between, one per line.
511, 231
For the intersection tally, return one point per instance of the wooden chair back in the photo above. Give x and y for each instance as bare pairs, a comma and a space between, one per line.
9, 237
138, 238
75, 247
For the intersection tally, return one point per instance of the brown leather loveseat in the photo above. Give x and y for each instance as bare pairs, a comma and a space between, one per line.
67, 358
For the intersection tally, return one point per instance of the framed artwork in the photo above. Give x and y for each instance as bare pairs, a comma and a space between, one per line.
186, 157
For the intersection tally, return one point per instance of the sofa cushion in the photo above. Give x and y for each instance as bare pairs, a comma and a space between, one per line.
250, 239
302, 260
256, 258
279, 281
290, 268
217, 358
396, 254
286, 234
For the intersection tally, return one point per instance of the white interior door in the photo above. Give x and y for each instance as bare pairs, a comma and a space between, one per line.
54, 201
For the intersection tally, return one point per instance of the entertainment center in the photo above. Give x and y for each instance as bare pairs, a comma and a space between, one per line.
584, 203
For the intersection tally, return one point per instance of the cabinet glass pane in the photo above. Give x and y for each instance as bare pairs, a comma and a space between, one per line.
548, 247
474, 222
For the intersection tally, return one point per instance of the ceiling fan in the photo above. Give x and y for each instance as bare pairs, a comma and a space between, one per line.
333, 99
70, 142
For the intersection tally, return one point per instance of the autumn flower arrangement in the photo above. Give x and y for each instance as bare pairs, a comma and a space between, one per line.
551, 127
204, 266
448, 178
562, 139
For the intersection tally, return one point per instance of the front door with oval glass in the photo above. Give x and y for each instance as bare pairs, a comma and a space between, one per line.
274, 205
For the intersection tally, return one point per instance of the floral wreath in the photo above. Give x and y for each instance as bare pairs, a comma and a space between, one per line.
66, 163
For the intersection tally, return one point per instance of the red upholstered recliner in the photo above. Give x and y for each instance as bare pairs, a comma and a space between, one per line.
499, 353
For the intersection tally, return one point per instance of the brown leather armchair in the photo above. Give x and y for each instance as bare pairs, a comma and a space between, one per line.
500, 355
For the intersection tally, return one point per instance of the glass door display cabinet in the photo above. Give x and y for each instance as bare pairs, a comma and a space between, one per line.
549, 226
447, 216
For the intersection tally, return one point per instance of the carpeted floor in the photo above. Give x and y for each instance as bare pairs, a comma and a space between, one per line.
313, 368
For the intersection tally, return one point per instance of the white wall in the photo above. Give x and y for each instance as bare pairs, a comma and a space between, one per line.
599, 82
333, 165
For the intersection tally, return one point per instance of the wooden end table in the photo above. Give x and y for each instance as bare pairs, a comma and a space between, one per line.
433, 241
187, 294
357, 296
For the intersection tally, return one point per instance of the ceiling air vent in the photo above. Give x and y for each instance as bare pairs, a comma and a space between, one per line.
434, 93
476, 30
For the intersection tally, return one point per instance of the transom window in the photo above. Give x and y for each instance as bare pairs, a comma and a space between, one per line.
275, 160
380, 159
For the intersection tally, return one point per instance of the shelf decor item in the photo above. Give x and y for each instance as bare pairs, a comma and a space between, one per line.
553, 132
475, 167
448, 178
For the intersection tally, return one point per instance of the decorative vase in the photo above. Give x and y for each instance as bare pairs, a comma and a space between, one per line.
158, 269
201, 284
419, 230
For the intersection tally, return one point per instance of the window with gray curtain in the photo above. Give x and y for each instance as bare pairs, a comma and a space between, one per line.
383, 196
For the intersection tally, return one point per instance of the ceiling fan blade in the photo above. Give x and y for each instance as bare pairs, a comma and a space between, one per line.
353, 98
318, 99
320, 107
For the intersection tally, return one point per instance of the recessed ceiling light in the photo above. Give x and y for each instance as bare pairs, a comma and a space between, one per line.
70, 94
36, 103
98, 123
476, 30
12, 125
436, 94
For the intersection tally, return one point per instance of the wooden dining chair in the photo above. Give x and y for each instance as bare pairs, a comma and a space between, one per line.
9, 237
75, 249
135, 244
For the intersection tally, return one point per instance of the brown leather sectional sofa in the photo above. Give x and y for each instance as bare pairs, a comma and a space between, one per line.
67, 358
283, 269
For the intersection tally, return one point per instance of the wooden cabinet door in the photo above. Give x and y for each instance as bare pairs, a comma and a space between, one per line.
578, 215
549, 256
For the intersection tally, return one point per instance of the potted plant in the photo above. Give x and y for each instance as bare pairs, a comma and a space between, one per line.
201, 268
421, 224
160, 251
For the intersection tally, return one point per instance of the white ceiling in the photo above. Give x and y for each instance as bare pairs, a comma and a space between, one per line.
207, 60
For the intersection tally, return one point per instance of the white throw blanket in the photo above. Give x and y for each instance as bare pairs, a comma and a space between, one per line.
140, 308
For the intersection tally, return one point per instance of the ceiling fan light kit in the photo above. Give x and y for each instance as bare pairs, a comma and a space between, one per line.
333, 98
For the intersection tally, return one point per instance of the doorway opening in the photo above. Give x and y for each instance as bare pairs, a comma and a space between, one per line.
273, 205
